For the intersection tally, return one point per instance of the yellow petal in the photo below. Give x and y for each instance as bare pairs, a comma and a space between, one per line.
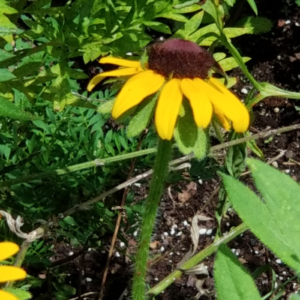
135, 90
120, 62
199, 101
7, 296
222, 120
8, 273
115, 73
167, 109
7, 249
226, 103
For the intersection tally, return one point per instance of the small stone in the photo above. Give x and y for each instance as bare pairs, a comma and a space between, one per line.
179, 233
276, 109
288, 171
162, 249
275, 164
288, 22
117, 254
70, 253
244, 91
137, 184
202, 231
165, 233
297, 24
135, 233
278, 261
88, 279
122, 245
185, 223
209, 231
200, 181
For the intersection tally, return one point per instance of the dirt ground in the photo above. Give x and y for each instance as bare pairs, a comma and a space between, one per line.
275, 59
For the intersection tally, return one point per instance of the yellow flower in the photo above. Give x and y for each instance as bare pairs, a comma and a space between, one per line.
177, 68
9, 273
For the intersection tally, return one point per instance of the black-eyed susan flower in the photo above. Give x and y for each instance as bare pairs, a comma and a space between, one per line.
9, 273
177, 68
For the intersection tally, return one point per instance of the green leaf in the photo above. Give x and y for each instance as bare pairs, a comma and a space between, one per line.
160, 27
276, 224
5, 75
190, 27
230, 63
20, 294
230, 2
172, 16
8, 109
219, 56
6, 31
232, 280
106, 107
141, 117
295, 296
188, 137
258, 25
253, 6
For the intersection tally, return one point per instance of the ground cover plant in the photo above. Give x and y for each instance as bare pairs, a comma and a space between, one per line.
96, 98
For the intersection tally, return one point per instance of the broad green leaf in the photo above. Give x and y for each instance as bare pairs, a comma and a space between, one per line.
5, 75
276, 224
219, 55
258, 25
187, 9
9, 110
295, 296
188, 137
141, 117
20, 294
106, 107
232, 280
7, 31
230, 63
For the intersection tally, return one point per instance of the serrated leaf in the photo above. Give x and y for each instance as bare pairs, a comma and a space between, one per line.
106, 107
230, 63
20, 294
188, 137
257, 25
141, 117
276, 224
9, 110
232, 280
5, 75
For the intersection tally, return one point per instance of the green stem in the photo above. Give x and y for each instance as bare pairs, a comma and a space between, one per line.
151, 205
78, 167
196, 259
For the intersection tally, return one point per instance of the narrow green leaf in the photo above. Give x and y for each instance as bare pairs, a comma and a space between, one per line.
8, 109
276, 224
232, 280
158, 26
5, 75
172, 16
253, 6
142, 117
230, 63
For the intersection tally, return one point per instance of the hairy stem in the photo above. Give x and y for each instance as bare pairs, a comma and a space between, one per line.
151, 206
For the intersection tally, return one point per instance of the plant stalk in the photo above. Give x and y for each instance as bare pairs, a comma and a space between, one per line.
151, 205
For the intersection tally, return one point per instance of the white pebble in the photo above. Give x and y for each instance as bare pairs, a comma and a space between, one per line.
165, 233
185, 223
244, 91
88, 279
122, 245
233, 250
137, 184
278, 57
202, 231
129, 53
70, 253
117, 254
200, 181
135, 233
156, 279
172, 232
278, 261
275, 164
171, 253
179, 233
162, 249
287, 171
297, 24
209, 231
288, 22
276, 109
284, 273
227, 224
